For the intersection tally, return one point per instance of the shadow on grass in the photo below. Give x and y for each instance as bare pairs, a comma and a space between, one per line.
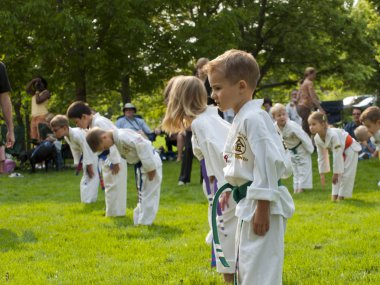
10, 241
145, 232
90, 208
359, 203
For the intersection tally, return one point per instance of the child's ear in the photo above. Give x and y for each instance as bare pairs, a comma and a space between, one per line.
242, 85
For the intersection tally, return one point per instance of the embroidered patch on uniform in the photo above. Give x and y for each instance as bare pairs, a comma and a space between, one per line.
337, 146
240, 146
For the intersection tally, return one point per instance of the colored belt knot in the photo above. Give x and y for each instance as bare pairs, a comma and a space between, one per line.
294, 149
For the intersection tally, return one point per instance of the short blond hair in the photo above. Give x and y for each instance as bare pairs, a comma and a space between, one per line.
361, 133
94, 138
319, 117
277, 108
371, 114
236, 65
187, 99
59, 121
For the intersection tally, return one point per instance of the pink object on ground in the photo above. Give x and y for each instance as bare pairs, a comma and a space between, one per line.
9, 165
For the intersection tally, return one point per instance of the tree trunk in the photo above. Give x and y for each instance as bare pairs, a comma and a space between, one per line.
17, 109
125, 90
80, 85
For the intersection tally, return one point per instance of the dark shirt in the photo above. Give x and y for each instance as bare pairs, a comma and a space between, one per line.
4, 81
350, 128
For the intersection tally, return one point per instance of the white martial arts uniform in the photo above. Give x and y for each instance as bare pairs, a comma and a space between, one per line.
376, 141
135, 148
78, 145
209, 136
300, 148
115, 185
345, 160
291, 110
254, 152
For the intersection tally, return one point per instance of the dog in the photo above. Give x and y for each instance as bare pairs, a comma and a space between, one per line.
44, 152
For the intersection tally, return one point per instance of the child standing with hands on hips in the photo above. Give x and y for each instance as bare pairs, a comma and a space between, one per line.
344, 150
187, 106
255, 161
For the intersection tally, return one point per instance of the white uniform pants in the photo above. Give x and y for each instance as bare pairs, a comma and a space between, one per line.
149, 199
346, 181
227, 236
260, 258
115, 189
302, 169
89, 186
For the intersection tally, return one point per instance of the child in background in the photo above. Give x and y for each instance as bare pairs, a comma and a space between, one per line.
291, 108
114, 168
344, 151
371, 119
255, 162
187, 106
76, 138
300, 146
364, 138
133, 147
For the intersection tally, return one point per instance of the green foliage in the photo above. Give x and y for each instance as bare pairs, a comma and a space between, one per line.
99, 50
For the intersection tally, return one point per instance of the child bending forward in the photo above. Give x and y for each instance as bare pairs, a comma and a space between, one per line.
76, 138
134, 148
187, 106
344, 151
255, 162
299, 145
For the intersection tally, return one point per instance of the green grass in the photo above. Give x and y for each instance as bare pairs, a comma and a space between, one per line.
48, 237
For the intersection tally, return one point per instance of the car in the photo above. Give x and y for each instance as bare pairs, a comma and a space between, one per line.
359, 101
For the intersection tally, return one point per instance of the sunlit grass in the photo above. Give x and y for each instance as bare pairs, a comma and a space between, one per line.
48, 237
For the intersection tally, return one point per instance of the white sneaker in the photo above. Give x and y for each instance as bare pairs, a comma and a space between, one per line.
180, 183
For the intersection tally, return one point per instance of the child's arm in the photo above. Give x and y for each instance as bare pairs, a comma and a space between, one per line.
304, 137
261, 218
151, 174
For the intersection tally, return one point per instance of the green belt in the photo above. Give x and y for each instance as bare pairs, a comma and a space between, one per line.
294, 149
238, 193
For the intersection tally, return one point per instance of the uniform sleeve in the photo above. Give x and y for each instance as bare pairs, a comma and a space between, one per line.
88, 156
269, 159
337, 152
196, 147
107, 125
304, 137
75, 150
145, 152
323, 159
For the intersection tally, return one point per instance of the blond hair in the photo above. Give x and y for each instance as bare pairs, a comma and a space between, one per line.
168, 88
94, 138
277, 108
319, 117
59, 121
236, 65
371, 114
361, 133
187, 99
308, 71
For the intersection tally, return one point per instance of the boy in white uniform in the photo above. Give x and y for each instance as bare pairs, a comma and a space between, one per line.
299, 145
114, 168
187, 106
76, 138
256, 161
344, 150
134, 148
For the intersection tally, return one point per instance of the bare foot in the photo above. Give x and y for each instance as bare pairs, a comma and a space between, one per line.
228, 278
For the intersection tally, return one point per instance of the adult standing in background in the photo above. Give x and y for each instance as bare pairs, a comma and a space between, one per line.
6, 105
307, 98
37, 87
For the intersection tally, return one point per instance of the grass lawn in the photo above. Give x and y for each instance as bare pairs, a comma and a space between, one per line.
48, 237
